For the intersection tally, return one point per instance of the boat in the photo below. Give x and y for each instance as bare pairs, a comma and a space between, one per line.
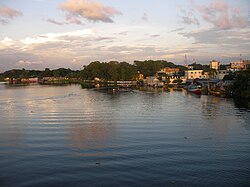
215, 92
194, 89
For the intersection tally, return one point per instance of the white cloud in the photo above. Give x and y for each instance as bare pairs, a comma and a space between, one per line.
7, 41
57, 37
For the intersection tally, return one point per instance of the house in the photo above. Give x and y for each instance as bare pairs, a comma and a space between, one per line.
170, 71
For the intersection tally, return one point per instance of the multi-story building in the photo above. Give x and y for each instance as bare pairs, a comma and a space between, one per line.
215, 64
196, 74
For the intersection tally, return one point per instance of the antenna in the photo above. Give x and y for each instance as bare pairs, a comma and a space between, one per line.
240, 57
185, 60
194, 60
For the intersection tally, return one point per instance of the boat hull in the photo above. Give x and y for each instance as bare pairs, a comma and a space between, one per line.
194, 89
197, 92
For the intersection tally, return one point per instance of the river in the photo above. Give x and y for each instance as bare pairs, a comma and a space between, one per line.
68, 136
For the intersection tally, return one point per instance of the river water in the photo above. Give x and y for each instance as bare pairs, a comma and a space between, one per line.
68, 136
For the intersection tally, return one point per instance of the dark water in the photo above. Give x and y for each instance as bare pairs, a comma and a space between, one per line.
67, 136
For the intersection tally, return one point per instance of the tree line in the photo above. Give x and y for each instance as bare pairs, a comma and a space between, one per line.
23, 73
112, 70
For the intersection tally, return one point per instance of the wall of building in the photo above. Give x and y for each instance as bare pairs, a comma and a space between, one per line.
195, 74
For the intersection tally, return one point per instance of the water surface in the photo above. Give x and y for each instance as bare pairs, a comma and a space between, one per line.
68, 136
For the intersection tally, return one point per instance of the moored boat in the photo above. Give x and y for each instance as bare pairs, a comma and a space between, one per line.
194, 89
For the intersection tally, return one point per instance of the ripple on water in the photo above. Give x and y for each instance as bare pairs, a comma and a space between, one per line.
61, 136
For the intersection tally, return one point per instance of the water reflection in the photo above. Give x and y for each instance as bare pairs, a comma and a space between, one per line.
90, 139
242, 103
139, 136
221, 117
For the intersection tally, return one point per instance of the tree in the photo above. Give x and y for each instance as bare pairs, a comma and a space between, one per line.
148, 67
126, 71
241, 86
196, 66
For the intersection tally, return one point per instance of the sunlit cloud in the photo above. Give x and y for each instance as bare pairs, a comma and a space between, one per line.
7, 14
7, 41
222, 15
57, 37
90, 10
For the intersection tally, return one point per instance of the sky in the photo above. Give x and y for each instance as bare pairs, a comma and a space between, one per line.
38, 34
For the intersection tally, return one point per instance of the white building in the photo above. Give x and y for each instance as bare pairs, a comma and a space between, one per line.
195, 74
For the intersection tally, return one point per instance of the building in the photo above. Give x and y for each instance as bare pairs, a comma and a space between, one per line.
170, 71
237, 66
246, 64
215, 64
153, 81
196, 74
189, 67
220, 74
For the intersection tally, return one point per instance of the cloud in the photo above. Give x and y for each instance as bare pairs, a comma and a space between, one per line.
57, 37
176, 30
145, 17
224, 39
25, 62
155, 35
92, 11
55, 22
7, 41
189, 18
222, 15
8, 13
73, 19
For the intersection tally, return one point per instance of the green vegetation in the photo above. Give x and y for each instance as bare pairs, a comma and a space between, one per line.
109, 71
196, 66
103, 70
241, 87
23, 73
150, 67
